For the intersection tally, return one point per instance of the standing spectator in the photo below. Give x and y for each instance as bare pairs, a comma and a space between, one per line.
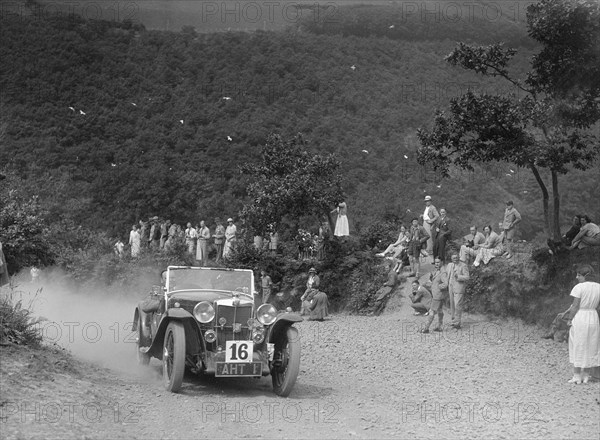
589, 234
164, 233
458, 275
134, 241
174, 233
266, 285
3, 268
258, 242
342, 228
230, 238
273, 241
219, 238
191, 235
144, 233
442, 235
511, 218
118, 247
420, 298
35, 274
154, 238
471, 244
438, 282
202, 249
430, 215
584, 335
418, 237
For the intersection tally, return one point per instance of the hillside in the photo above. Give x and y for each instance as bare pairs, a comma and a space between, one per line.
109, 122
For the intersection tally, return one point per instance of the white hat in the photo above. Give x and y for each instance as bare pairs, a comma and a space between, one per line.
427, 198
229, 219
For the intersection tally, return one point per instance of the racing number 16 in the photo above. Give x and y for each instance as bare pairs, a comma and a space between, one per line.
239, 351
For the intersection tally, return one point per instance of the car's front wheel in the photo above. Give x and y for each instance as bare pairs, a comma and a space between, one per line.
174, 356
286, 362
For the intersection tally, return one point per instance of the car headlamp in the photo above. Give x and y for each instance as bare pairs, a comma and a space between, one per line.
266, 314
258, 335
204, 312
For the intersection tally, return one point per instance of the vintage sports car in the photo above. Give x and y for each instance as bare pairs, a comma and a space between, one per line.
204, 320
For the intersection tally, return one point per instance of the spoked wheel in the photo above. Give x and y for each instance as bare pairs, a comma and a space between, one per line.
142, 358
286, 362
174, 356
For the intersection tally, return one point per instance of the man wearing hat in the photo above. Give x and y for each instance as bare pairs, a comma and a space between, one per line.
430, 216
154, 236
312, 287
219, 238
230, 237
511, 218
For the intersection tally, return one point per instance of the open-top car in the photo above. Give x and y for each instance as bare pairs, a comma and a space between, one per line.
204, 320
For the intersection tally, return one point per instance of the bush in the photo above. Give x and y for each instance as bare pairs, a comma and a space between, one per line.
17, 323
535, 290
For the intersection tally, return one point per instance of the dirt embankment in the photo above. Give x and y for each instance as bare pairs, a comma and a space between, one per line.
361, 377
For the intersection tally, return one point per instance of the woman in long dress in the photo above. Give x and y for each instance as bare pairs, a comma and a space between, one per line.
341, 225
135, 241
584, 335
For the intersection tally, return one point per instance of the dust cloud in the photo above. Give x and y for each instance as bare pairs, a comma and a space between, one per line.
94, 324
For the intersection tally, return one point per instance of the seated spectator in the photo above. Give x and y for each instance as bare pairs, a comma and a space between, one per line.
312, 286
492, 247
589, 234
383, 293
319, 306
420, 298
471, 244
567, 239
397, 247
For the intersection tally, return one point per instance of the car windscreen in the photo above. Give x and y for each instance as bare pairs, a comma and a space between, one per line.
184, 278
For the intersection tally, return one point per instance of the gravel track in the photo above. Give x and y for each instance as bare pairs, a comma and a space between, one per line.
361, 377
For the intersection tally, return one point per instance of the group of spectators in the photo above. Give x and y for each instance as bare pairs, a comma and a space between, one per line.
160, 235
431, 232
583, 233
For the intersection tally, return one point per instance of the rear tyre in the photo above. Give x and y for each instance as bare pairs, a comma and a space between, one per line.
286, 362
142, 358
174, 356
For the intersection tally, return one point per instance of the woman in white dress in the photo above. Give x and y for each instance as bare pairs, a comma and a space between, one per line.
341, 225
584, 335
134, 241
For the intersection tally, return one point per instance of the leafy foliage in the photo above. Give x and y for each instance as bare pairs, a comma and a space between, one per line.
289, 181
543, 129
18, 325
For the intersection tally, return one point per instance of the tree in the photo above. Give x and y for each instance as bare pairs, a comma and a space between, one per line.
551, 126
290, 181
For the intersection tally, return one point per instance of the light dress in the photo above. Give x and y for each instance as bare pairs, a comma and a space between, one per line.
584, 335
341, 225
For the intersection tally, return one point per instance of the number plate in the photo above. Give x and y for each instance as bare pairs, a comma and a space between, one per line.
238, 369
239, 351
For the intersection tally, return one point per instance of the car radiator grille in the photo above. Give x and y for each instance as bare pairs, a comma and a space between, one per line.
241, 314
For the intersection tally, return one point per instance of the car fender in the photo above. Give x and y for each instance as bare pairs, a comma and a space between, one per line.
174, 314
138, 319
282, 322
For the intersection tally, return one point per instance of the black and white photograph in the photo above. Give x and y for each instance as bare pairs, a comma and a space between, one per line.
299, 219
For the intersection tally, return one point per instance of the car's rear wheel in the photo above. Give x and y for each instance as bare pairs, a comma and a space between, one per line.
286, 362
174, 356
142, 358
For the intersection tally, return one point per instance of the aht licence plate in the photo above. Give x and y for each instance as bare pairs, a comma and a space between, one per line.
227, 369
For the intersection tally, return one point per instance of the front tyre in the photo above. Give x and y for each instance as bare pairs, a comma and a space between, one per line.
286, 362
174, 356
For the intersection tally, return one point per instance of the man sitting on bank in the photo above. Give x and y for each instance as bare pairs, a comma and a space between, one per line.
471, 244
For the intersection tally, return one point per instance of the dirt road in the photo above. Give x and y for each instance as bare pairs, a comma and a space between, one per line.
361, 377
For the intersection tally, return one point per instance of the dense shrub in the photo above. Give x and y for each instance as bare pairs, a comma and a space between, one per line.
17, 323
535, 289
